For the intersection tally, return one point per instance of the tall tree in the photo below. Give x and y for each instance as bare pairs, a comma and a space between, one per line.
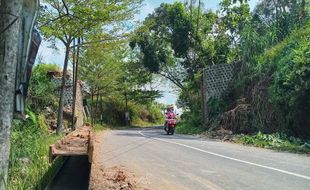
66, 20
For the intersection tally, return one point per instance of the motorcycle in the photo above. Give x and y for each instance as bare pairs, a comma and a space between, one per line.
170, 124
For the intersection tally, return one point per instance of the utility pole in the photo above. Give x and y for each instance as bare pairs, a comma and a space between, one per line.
75, 79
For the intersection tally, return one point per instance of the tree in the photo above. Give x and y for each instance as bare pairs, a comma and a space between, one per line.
9, 39
159, 44
111, 71
69, 19
178, 41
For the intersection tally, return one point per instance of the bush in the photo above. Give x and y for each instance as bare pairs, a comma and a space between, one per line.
276, 85
186, 128
289, 88
276, 141
29, 167
112, 112
41, 89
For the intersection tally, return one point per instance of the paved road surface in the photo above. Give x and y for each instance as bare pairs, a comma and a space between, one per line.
189, 162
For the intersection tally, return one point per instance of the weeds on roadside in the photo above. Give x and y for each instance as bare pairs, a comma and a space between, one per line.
29, 167
98, 127
276, 141
184, 128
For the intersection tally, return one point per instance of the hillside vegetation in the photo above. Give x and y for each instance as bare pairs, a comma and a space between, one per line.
269, 47
29, 166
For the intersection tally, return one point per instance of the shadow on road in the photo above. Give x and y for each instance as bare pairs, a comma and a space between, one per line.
74, 175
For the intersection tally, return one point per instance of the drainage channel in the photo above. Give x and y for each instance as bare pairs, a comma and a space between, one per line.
74, 175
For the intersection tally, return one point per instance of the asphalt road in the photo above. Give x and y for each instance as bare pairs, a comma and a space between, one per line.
189, 162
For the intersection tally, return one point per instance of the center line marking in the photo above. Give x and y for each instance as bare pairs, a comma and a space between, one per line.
229, 158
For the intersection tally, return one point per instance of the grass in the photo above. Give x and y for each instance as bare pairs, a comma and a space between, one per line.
28, 165
184, 128
98, 127
141, 123
276, 141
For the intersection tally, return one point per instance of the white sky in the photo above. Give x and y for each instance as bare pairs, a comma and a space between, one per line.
50, 55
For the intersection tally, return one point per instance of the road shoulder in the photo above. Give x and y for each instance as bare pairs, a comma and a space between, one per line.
112, 177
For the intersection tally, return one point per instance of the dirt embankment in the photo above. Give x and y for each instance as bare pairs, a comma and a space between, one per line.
116, 177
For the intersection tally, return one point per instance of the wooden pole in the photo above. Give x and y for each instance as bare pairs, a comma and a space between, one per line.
75, 82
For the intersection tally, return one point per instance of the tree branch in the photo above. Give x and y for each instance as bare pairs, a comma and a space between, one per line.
66, 7
172, 80
100, 41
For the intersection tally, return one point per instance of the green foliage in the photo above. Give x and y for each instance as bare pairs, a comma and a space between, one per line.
115, 78
289, 63
207, 38
216, 106
150, 114
273, 73
42, 123
29, 166
162, 50
113, 111
188, 128
98, 127
69, 19
41, 88
276, 141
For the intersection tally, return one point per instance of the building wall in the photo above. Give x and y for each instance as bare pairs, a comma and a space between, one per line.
68, 97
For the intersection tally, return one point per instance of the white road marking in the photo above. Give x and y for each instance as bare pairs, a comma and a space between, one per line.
229, 158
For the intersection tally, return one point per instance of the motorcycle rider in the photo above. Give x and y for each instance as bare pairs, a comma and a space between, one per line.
169, 115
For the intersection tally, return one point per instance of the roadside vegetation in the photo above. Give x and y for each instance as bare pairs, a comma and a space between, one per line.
29, 163
269, 47
267, 100
186, 128
276, 141
29, 166
118, 84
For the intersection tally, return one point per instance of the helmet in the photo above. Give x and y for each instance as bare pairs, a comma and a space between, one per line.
170, 108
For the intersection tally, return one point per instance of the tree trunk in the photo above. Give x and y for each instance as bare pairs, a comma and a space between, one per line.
75, 79
62, 90
10, 11
97, 108
126, 110
73, 86
92, 110
101, 110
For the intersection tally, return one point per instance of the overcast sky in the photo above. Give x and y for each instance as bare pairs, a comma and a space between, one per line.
49, 55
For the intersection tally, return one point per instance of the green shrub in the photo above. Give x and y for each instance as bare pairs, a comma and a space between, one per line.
29, 167
41, 89
112, 112
186, 128
215, 107
276, 84
289, 90
28, 163
276, 141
